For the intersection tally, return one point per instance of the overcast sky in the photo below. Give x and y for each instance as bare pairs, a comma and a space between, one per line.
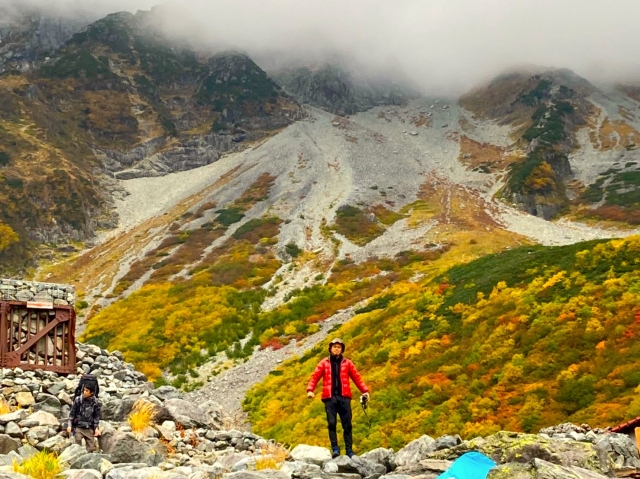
443, 45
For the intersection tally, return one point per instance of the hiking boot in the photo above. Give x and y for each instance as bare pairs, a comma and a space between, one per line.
335, 453
350, 454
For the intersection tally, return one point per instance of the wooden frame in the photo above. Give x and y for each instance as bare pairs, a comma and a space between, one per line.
37, 338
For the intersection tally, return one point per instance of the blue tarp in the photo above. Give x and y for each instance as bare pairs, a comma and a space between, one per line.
472, 465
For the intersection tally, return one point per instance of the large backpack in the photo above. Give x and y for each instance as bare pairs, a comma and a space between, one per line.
87, 381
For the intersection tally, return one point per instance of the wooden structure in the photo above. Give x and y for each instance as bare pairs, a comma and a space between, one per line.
37, 335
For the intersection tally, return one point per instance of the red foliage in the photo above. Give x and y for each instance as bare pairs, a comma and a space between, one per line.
442, 287
273, 343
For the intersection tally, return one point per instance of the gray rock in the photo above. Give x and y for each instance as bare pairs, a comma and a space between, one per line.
117, 409
415, 451
166, 392
357, 465
130, 472
43, 418
186, 413
47, 403
447, 442
71, 454
37, 434
90, 460
7, 459
311, 454
81, 474
8, 444
27, 451
13, 475
13, 430
271, 474
547, 470
54, 443
15, 416
301, 470
124, 447
385, 457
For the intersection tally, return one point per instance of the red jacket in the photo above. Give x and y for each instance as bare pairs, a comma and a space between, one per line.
347, 370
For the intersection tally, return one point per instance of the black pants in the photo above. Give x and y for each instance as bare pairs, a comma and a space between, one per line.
339, 406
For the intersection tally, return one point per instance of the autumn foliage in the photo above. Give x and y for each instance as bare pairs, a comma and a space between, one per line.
518, 340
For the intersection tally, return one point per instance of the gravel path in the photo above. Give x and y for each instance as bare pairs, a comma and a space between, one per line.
229, 387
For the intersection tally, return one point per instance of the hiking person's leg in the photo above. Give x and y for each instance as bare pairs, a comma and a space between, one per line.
78, 436
345, 420
332, 422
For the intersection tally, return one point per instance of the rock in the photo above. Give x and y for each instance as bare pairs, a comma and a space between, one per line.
8, 444
71, 454
27, 451
55, 444
270, 474
547, 470
92, 460
117, 409
227, 461
186, 413
15, 416
301, 470
426, 466
311, 454
81, 474
382, 456
415, 451
166, 392
134, 473
37, 434
13, 430
7, 460
44, 418
447, 442
358, 465
124, 447
48, 403
512, 470
621, 445
12, 475
25, 399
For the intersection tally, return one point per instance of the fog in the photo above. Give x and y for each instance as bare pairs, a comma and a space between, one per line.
444, 46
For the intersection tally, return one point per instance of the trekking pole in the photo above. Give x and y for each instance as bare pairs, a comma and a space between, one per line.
363, 403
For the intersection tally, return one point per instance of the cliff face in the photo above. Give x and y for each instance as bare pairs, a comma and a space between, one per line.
116, 100
334, 89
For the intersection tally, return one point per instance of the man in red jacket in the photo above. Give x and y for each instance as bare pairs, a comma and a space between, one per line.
335, 372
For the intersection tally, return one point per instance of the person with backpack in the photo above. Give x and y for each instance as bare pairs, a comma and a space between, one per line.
335, 372
85, 417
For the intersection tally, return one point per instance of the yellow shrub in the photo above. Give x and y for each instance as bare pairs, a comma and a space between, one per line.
272, 456
43, 465
142, 416
4, 406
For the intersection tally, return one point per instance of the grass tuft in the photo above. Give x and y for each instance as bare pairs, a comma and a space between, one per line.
142, 416
43, 465
272, 456
5, 408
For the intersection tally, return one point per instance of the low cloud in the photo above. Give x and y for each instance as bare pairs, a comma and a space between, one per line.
445, 46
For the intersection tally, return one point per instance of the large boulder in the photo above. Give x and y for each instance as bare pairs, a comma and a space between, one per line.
415, 451
125, 447
186, 413
622, 449
116, 409
541, 469
55, 443
301, 470
311, 454
426, 466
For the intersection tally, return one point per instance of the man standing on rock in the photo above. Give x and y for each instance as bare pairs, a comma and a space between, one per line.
335, 372
85, 418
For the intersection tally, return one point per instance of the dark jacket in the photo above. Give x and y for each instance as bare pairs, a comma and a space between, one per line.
85, 413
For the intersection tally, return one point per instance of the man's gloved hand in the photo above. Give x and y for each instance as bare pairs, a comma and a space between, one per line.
310, 394
366, 397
